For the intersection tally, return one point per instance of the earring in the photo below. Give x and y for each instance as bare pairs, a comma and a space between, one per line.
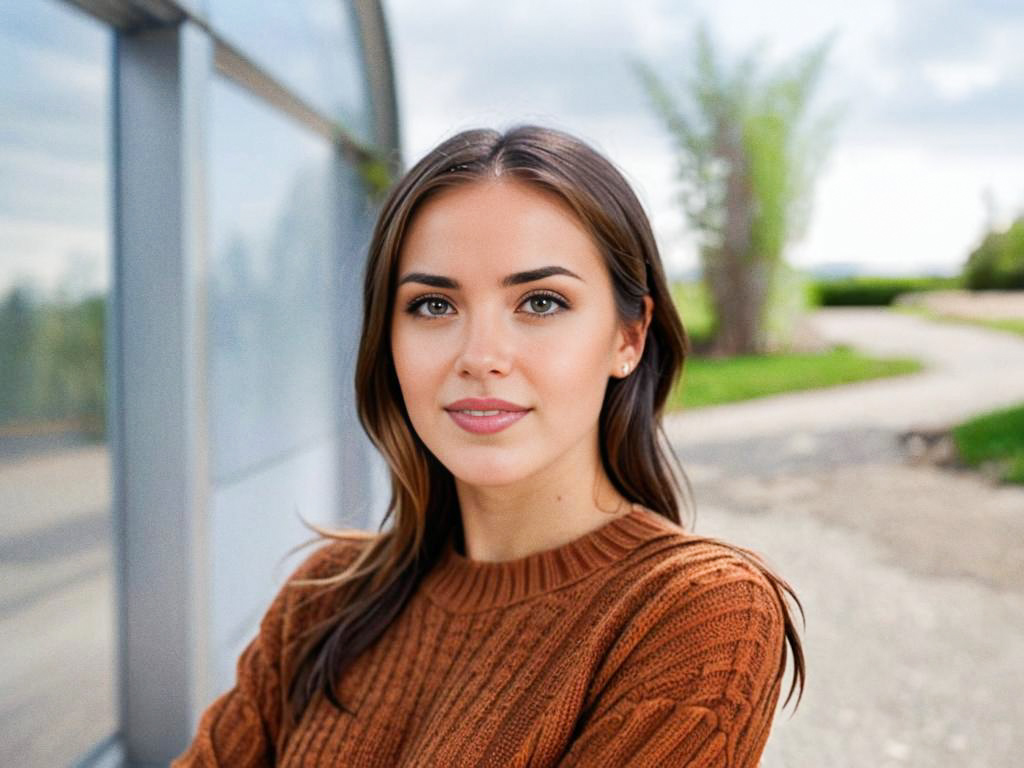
625, 368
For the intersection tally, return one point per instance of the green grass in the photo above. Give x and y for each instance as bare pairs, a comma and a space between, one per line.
1005, 324
996, 437
714, 381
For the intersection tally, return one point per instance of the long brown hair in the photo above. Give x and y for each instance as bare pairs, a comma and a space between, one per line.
634, 450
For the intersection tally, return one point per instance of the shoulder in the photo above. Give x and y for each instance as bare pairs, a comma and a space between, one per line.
718, 576
331, 556
697, 613
700, 562
306, 594
683, 561
685, 589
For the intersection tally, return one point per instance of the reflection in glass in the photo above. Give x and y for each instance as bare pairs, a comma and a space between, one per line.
269, 351
311, 46
56, 590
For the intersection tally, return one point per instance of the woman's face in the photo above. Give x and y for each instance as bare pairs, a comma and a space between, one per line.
503, 294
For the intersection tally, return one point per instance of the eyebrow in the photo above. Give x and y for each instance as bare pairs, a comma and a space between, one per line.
516, 278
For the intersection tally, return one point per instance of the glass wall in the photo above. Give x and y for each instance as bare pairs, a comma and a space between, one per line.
183, 224
272, 265
312, 46
272, 380
57, 678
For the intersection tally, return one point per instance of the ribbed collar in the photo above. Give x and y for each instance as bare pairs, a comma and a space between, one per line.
462, 585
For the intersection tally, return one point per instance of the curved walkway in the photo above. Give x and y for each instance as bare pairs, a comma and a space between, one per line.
911, 576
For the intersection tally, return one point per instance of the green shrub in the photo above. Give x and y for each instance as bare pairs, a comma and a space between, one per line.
868, 291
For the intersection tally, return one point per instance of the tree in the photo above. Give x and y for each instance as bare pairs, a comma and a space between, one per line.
998, 262
747, 155
17, 331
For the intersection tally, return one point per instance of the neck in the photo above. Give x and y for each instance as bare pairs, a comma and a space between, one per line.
509, 522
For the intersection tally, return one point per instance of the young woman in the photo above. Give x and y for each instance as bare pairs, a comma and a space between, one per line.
536, 601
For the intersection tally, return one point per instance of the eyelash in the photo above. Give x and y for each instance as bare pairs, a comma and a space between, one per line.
413, 306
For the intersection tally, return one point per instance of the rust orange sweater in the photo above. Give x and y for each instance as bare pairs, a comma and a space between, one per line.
636, 644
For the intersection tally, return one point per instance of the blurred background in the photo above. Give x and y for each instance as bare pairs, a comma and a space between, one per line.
187, 189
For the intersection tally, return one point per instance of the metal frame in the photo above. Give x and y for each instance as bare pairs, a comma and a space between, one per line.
134, 15
160, 76
165, 57
379, 67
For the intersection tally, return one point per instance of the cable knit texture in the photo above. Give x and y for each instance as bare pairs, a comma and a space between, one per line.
637, 644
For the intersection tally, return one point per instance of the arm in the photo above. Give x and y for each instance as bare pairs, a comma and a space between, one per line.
699, 689
241, 728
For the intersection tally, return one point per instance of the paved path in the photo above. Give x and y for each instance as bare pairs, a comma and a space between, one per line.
912, 577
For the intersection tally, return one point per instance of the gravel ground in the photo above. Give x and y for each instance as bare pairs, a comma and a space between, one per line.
911, 576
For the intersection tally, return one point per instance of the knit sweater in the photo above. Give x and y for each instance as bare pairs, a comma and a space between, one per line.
636, 644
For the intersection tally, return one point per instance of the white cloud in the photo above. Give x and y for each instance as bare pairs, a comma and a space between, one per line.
953, 81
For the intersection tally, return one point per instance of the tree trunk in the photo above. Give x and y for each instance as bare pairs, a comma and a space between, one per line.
736, 278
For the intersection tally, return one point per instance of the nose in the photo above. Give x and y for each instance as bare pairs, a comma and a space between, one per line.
486, 348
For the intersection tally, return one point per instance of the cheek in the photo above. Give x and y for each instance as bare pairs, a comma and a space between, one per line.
571, 368
413, 366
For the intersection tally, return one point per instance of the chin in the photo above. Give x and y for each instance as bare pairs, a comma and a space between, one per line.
487, 471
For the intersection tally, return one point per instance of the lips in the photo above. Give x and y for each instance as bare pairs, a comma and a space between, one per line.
484, 416
484, 404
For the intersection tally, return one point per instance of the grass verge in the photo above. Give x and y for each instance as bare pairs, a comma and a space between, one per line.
715, 381
995, 439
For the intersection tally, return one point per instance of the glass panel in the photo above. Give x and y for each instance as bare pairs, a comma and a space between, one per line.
311, 46
271, 375
57, 641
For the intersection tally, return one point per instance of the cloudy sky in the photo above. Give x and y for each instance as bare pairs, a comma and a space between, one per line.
932, 93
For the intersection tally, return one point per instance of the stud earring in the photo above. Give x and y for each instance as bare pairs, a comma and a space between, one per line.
625, 368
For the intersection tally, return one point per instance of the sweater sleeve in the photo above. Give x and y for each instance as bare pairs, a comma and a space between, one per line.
241, 727
699, 685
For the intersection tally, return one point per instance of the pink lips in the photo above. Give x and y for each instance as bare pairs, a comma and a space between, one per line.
508, 414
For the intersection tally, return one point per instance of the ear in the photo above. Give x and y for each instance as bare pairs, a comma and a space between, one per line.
630, 341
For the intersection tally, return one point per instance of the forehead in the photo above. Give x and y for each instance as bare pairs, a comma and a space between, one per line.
489, 226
